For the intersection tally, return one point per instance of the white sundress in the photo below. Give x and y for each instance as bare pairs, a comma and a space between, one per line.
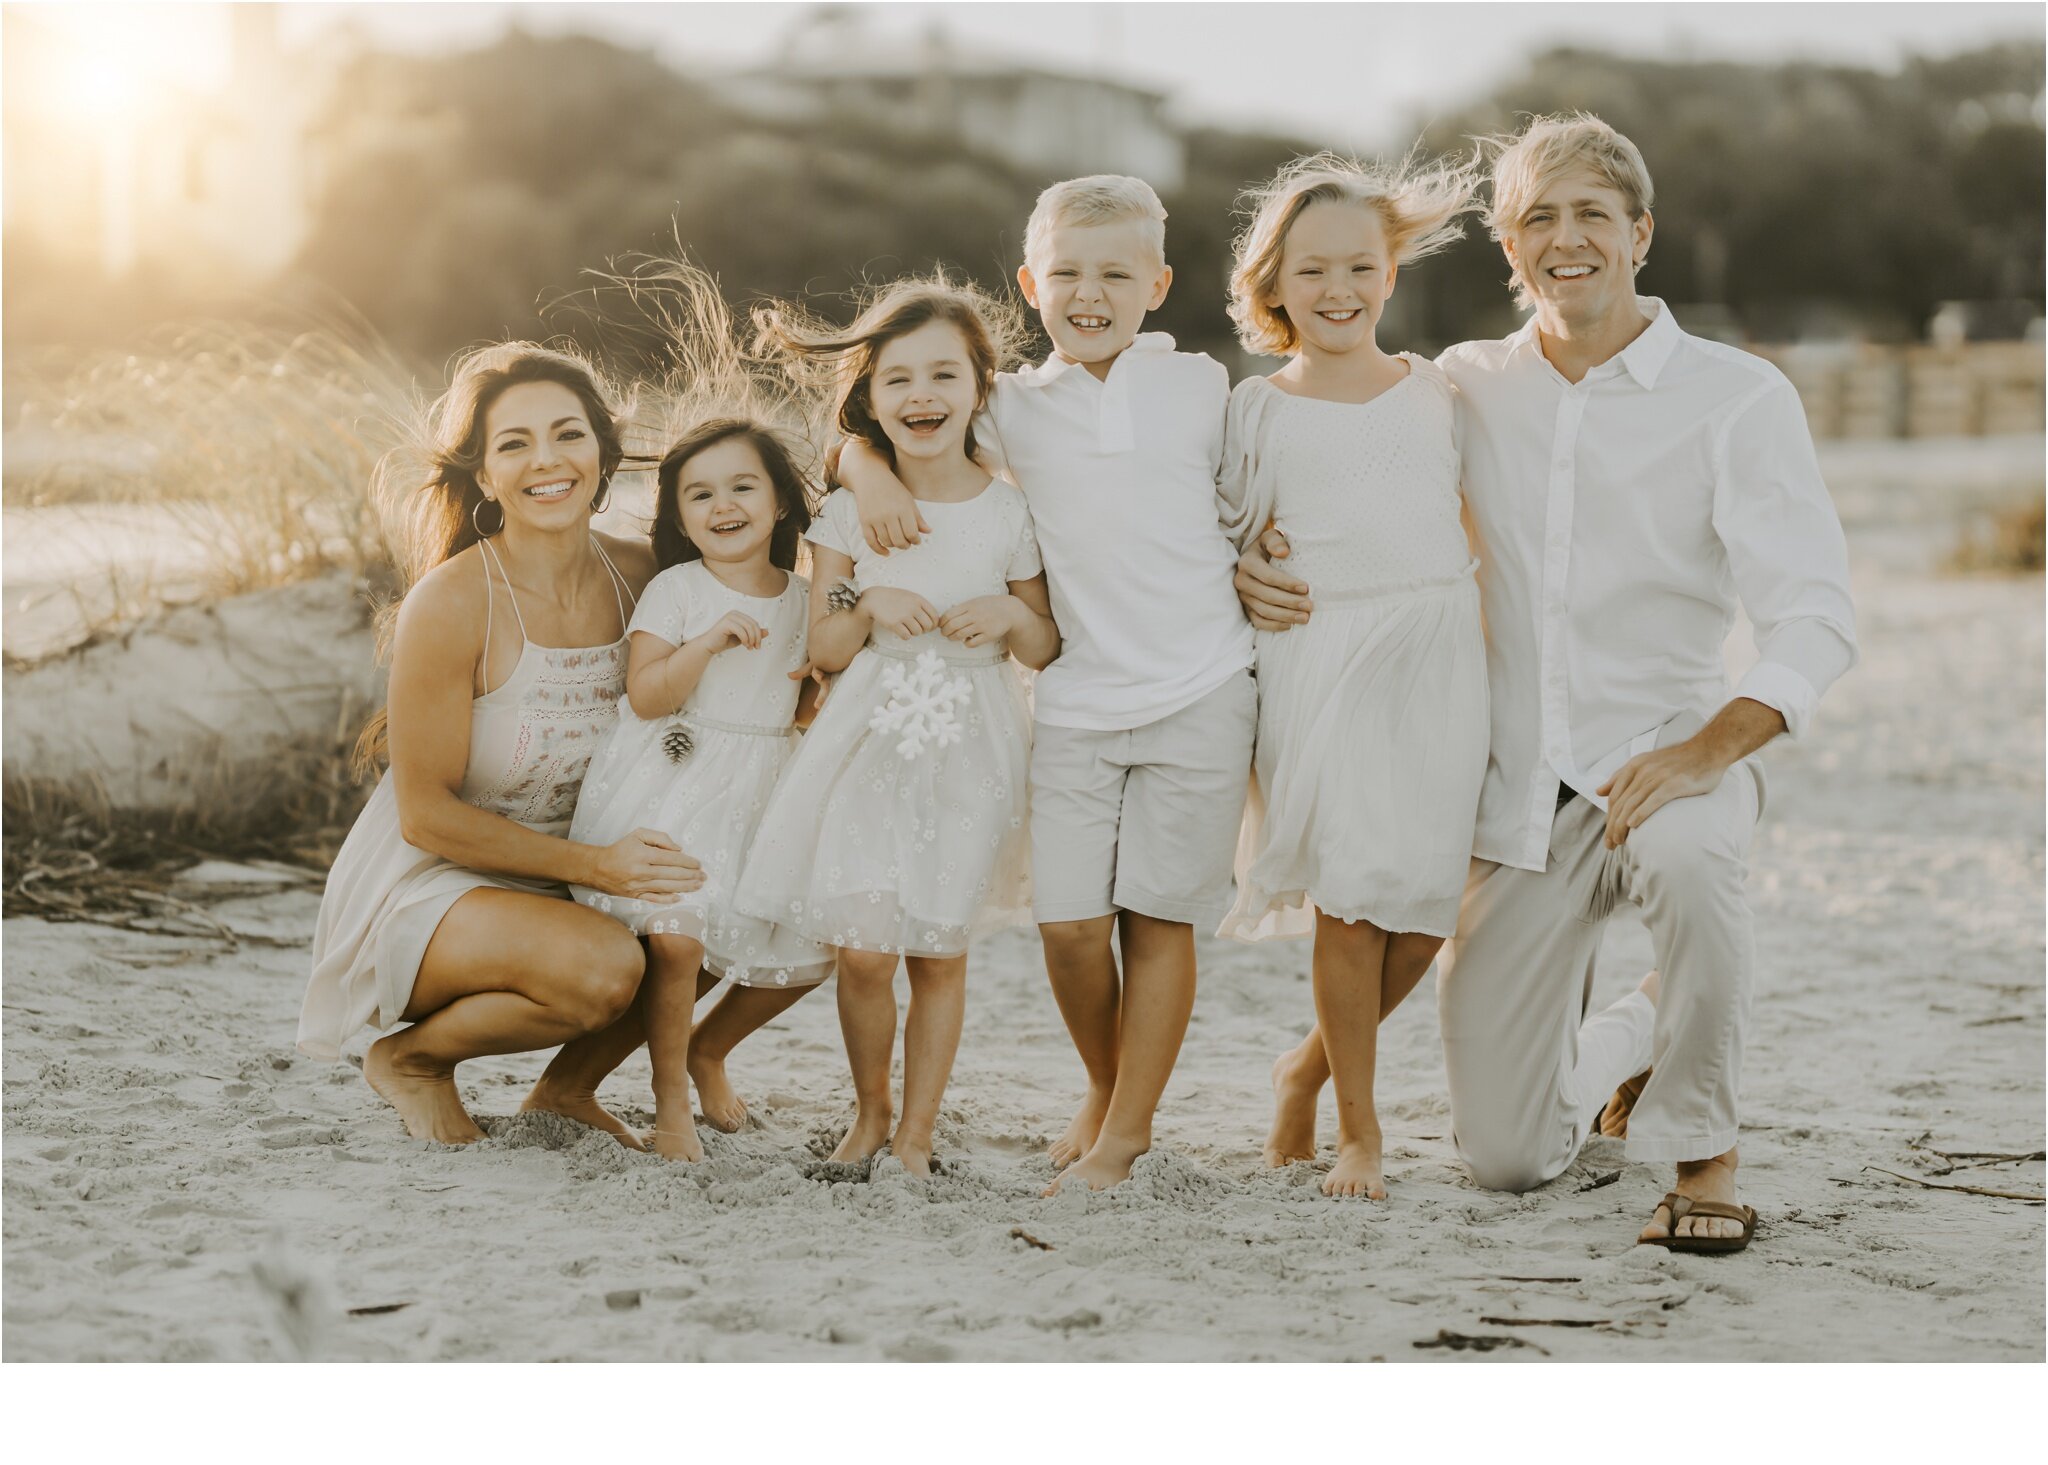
863, 848
530, 738
740, 723
1373, 723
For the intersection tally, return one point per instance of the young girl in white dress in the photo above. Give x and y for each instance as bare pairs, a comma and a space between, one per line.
714, 690
898, 830
1372, 716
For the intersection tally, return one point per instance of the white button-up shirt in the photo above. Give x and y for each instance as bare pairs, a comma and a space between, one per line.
1620, 520
1121, 478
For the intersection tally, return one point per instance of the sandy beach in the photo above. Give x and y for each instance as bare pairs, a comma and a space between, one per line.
181, 1184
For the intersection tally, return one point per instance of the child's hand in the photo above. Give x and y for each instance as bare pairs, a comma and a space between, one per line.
888, 514
899, 611
645, 865
734, 628
982, 621
809, 671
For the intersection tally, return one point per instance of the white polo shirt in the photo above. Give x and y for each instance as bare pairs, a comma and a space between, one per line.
1121, 478
1620, 521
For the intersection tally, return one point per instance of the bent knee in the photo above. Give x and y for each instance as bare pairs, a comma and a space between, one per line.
1682, 858
1504, 1170
610, 981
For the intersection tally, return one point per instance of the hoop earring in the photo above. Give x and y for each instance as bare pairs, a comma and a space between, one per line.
602, 499
477, 523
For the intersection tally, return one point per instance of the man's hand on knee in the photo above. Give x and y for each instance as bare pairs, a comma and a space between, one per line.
1649, 781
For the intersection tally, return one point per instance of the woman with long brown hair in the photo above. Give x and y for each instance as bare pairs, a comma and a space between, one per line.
447, 907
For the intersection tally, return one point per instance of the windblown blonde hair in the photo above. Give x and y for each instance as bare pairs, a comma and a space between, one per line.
815, 352
1421, 207
1100, 198
1524, 163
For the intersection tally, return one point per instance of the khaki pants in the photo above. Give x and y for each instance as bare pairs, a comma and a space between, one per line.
1529, 1071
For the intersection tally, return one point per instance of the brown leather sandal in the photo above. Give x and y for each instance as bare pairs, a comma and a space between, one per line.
1613, 1120
1681, 1206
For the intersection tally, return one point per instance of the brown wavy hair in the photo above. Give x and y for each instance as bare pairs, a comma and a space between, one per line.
793, 491
427, 493
991, 329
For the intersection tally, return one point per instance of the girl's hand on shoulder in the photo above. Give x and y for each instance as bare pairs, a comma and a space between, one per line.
902, 612
888, 513
984, 620
646, 865
734, 628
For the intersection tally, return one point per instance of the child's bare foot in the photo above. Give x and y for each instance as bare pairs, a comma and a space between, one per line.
1357, 1171
581, 1107
1108, 1162
424, 1096
1293, 1135
1080, 1135
914, 1152
869, 1133
679, 1142
723, 1109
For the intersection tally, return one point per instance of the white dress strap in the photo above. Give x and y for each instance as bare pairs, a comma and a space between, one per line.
509, 591
618, 584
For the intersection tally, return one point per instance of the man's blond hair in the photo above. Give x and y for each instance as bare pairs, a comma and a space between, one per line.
1101, 198
1525, 163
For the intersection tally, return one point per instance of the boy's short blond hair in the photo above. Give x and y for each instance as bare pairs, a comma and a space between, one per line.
1421, 208
1101, 198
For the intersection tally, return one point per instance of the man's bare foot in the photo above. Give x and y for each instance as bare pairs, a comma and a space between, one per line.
424, 1097
677, 1142
583, 1108
723, 1109
1293, 1135
1080, 1134
868, 1134
1613, 1120
1108, 1162
1357, 1171
915, 1153
1712, 1180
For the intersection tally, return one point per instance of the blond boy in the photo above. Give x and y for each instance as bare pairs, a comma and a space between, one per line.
1143, 727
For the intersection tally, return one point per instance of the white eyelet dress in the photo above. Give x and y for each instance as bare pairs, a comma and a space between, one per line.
740, 723
863, 848
1373, 723
530, 739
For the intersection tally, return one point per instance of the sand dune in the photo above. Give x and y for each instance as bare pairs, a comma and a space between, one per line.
181, 1185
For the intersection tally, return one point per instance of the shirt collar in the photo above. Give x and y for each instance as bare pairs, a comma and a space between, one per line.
1147, 343
1643, 358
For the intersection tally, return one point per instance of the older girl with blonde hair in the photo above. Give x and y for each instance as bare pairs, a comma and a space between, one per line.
1372, 717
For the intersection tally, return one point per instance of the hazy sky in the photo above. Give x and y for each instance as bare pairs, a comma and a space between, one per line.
1352, 74
1349, 74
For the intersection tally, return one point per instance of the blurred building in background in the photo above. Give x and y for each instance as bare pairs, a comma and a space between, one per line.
834, 65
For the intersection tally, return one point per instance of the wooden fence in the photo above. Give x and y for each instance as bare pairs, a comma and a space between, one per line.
1983, 389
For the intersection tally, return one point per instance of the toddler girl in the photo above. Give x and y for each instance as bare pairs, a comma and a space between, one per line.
1372, 716
898, 830
713, 692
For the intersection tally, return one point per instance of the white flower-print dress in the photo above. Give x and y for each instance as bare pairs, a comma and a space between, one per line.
1373, 723
864, 848
739, 721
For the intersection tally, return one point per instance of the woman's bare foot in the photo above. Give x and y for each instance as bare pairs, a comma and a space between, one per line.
1293, 1135
914, 1152
424, 1097
1080, 1135
723, 1109
581, 1107
1702, 1180
868, 1134
677, 1142
1108, 1162
1357, 1171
